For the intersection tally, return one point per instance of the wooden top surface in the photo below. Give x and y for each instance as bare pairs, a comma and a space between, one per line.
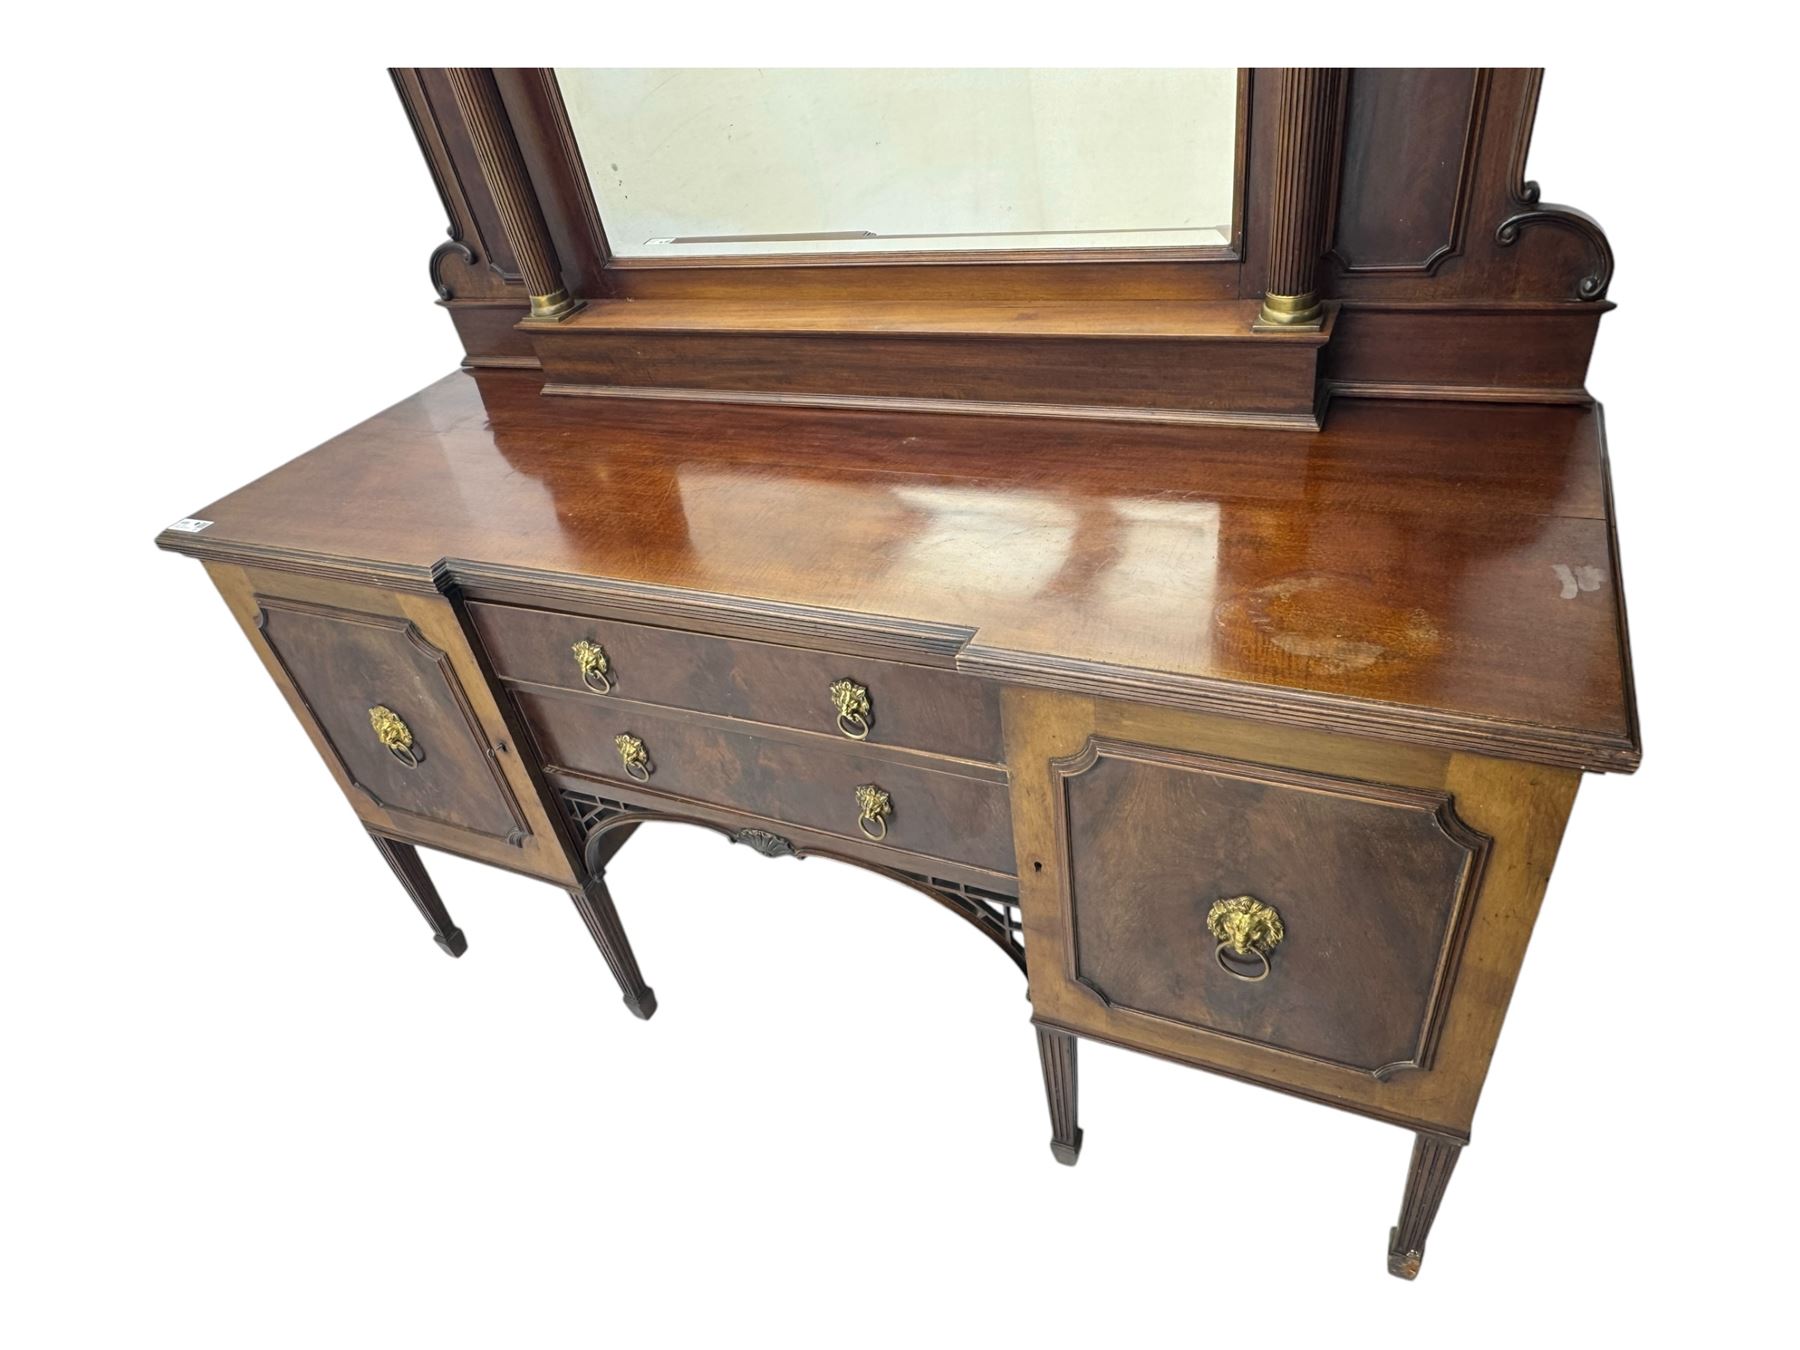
1227, 321
1437, 572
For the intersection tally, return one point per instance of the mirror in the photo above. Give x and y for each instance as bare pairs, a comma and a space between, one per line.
713, 163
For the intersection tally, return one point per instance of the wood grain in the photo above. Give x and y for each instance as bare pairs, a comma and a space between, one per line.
1521, 808
1153, 607
1371, 884
1151, 361
936, 812
503, 168
1300, 167
545, 850
410, 872
346, 662
1404, 568
1433, 1162
912, 706
1410, 143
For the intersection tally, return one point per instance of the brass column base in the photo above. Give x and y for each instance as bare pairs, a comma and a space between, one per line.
1283, 313
556, 305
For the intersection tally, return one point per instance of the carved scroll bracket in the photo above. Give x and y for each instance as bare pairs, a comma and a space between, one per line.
1527, 210
438, 254
1591, 286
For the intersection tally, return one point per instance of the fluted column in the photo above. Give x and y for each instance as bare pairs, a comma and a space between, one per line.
1306, 146
595, 905
503, 166
1433, 1160
1056, 1052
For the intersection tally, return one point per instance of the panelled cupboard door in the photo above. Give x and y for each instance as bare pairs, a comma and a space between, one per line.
389, 691
393, 712
1313, 914
1342, 918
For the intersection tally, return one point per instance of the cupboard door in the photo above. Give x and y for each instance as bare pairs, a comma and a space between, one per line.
1315, 915
393, 713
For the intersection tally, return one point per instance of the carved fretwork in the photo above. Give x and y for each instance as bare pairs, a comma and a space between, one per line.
993, 912
586, 812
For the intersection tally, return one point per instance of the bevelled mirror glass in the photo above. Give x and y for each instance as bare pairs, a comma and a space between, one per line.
713, 163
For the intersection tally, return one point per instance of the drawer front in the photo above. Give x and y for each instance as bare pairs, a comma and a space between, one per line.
939, 815
393, 712
1319, 916
916, 707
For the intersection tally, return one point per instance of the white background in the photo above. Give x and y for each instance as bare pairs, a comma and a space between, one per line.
246, 1102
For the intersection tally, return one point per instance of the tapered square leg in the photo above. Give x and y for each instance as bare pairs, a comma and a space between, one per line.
1433, 1160
404, 859
594, 903
1056, 1051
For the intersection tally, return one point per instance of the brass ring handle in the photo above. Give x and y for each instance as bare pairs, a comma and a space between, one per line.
590, 658
873, 807
1246, 928
854, 713
634, 757
395, 735
1236, 974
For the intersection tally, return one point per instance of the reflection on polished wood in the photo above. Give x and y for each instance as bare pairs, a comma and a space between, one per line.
1406, 564
1054, 591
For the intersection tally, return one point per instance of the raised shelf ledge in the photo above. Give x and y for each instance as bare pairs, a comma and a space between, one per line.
1097, 321
1139, 360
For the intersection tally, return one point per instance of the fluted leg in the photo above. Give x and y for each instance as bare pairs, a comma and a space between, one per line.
594, 903
1433, 1160
404, 859
1056, 1050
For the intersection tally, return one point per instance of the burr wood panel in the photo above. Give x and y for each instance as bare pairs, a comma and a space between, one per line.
360, 673
911, 706
926, 811
1368, 885
1139, 848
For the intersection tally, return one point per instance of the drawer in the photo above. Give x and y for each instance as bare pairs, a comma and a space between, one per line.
917, 707
393, 713
936, 814
1314, 915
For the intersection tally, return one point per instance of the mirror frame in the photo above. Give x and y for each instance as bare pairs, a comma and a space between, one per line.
1227, 252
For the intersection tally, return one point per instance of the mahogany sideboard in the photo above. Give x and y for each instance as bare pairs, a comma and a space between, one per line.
1222, 632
